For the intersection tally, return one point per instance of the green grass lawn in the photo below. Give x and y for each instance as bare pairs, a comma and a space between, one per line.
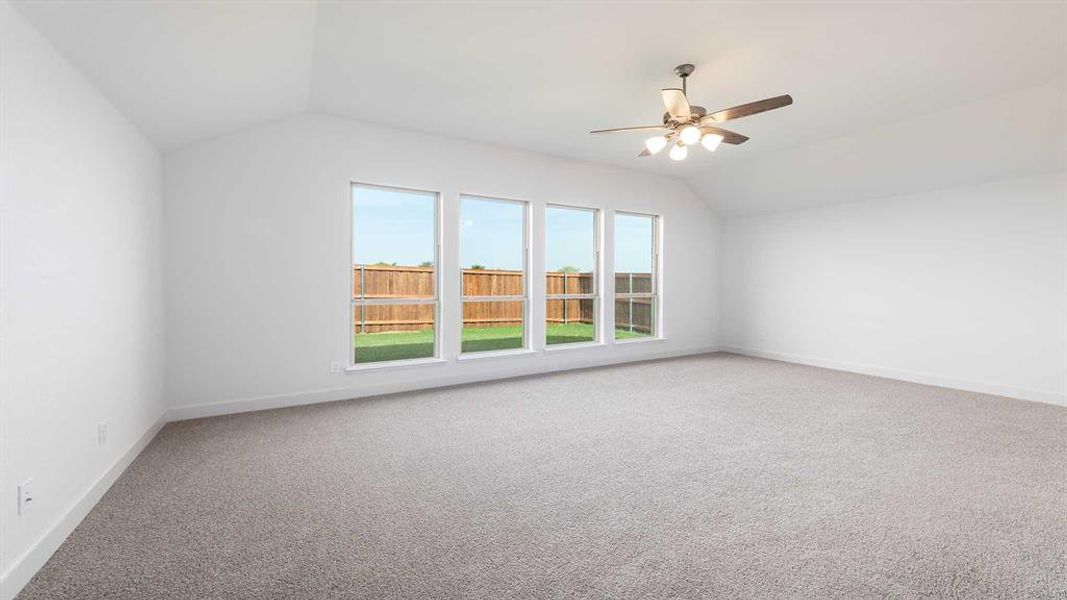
376, 347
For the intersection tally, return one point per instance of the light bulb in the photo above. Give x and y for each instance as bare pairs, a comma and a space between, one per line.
679, 152
689, 135
655, 144
711, 141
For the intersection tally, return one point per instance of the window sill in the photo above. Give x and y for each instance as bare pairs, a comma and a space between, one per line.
574, 346
640, 340
395, 364
497, 354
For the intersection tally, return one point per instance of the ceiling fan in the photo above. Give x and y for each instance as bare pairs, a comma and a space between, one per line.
685, 125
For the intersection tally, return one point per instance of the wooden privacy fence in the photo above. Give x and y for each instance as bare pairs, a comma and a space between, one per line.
378, 282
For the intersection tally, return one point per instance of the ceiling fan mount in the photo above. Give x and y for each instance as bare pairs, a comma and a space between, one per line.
686, 124
684, 71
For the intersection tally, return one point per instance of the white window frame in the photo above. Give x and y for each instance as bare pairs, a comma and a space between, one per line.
654, 295
598, 319
435, 300
524, 297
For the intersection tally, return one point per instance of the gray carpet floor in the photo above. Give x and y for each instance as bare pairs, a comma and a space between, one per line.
714, 476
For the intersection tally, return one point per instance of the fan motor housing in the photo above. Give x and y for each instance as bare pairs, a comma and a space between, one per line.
696, 111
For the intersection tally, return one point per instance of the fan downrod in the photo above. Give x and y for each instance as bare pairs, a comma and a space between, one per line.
684, 71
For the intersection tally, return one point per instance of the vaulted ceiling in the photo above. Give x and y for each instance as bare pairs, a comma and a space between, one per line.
538, 76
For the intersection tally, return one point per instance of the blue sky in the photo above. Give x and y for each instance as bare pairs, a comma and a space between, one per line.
633, 244
490, 234
570, 239
392, 226
398, 226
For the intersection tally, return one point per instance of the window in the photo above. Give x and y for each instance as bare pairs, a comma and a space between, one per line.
636, 279
493, 260
394, 274
571, 290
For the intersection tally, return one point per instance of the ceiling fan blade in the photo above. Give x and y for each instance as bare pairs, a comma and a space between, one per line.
749, 109
728, 137
641, 128
677, 105
644, 153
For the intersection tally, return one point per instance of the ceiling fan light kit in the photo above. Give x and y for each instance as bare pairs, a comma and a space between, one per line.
690, 134
655, 144
711, 141
679, 151
686, 124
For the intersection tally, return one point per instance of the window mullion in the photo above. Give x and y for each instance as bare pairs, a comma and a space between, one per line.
394, 301
493, 298
571, 296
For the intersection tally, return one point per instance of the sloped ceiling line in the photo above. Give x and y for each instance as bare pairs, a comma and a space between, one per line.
538, 77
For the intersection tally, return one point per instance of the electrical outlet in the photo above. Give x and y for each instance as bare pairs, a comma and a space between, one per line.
25, 496
101, 433
337, 366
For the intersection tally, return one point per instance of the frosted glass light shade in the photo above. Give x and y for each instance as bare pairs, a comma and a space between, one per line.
655, 144
679, 152
689, 135
711, 141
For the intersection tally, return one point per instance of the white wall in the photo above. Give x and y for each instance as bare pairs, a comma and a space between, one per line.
80, 294
258, 257
964, 287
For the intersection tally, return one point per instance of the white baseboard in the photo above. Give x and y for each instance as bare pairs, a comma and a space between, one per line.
26, 566
518, 368
913, 377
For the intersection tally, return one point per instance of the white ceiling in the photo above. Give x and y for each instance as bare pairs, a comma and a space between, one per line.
538, 76
1008, 136
185, 71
